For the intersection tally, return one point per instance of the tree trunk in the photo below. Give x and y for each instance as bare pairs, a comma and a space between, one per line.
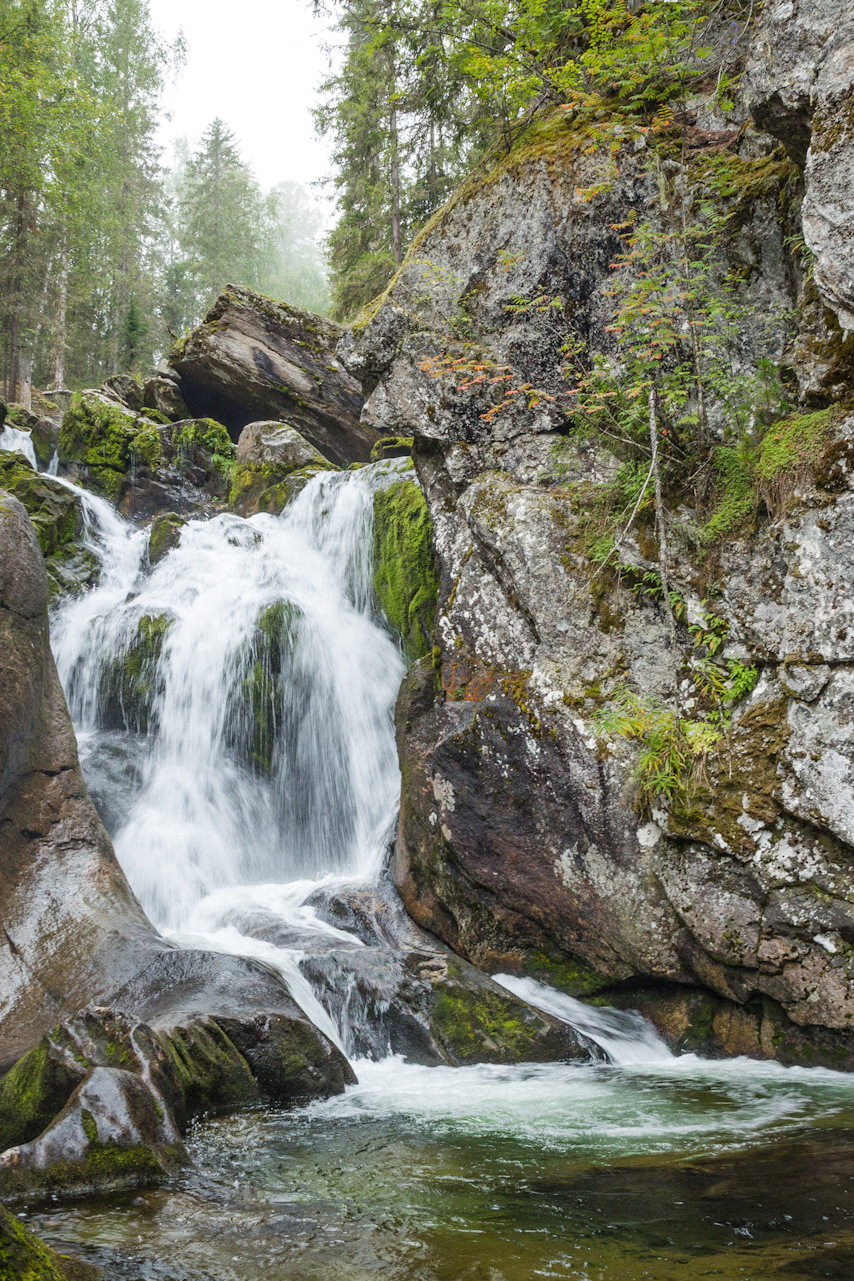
25, 365
395, 182
61, 322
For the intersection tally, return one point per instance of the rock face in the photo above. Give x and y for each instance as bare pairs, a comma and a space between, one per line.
255, 359
99, 1098
57, 516
527, 841
801, 83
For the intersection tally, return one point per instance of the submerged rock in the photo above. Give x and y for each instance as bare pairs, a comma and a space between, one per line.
23, 1257
254, 359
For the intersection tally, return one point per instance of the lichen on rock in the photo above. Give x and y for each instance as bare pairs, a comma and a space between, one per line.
404, 575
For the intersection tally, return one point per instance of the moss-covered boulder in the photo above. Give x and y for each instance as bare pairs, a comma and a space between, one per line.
267, 454
164, 535
57, 516
23, 1257
131, 682
274, 499
404, 574
142, 462
262, 682
163, 396
21, 417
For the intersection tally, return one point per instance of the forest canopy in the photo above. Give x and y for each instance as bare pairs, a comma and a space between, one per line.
107, 251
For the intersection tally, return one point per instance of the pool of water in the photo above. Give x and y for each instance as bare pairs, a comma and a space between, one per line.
672, 1169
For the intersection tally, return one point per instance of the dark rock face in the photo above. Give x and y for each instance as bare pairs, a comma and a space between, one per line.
521, 843
405, 993
254, 359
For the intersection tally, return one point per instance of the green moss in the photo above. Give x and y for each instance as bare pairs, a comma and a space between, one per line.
147, 448
266, 665
211, 1071
391, 447
210, 435
404, 575
793, 448
165, 534
23, 1257
31, 1094
98, 435
734, 499
564, 972
58, 521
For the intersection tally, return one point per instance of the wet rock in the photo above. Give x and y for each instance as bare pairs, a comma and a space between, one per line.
404, 576
23, 1257
404, 993
267, 454
253, 359
70, 923
165, 535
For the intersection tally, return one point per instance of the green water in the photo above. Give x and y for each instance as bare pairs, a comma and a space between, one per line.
676, 1169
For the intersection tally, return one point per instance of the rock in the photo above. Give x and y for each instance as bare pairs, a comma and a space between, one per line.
404, 578
267, 454
4, 409
163, 395
130, 684
45, 438
57, 516
164, 536
126, 389
59, 400
392, 447
800, 79
254, 359
404, 992
23, 1257
20, 417
142, 466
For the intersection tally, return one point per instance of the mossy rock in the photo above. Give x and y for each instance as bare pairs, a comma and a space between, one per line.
20, 417
405, 578
31, 1094
131, 683
274, 500
483, 1023
164, 535
58, 520
392, 447
260, 698
99, 435
23, 1257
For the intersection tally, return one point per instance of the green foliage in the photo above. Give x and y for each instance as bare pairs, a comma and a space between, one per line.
671, 759
404, 575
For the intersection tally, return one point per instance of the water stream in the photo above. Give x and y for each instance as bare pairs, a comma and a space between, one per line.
260, 769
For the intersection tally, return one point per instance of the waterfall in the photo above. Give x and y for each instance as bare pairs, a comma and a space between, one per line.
19, 442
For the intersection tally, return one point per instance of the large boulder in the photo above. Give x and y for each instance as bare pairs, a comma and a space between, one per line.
255, 359
268, 454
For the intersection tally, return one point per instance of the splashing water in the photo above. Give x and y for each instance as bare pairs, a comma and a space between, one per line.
18, 442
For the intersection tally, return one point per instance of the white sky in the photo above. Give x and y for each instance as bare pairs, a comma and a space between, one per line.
258, 67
